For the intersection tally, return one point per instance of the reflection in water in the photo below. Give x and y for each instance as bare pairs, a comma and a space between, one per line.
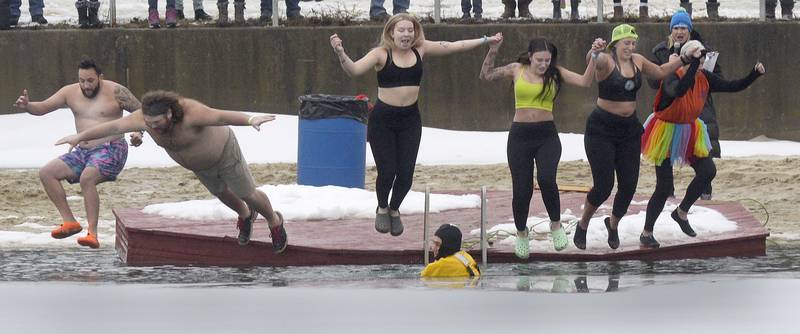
79, 265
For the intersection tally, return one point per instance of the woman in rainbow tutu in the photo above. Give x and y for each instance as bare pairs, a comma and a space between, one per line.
674, 135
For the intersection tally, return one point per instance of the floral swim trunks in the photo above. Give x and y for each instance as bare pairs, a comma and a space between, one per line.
109, 159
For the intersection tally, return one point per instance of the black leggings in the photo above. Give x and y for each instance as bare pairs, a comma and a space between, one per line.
613, 145
530, 143
394, 134
704, 172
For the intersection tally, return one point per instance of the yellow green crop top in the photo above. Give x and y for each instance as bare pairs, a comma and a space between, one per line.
526, 95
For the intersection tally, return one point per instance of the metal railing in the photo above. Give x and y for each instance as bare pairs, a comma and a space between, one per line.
483, 220
437, 11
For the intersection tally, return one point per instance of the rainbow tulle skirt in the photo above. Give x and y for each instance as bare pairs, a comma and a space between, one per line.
681, 143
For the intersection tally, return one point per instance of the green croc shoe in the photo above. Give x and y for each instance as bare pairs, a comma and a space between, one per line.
560, 240
523, 247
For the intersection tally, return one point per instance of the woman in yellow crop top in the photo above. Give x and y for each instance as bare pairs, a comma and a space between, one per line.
533, 138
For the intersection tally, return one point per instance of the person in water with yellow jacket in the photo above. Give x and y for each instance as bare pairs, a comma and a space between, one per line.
449, 259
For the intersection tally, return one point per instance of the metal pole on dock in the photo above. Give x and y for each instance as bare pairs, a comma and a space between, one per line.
425, 224
762, 10
437, 11
484, 244
599, 11
113, 14
276, 14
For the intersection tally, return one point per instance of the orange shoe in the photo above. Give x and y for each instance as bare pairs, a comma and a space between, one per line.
90, 240
66, 229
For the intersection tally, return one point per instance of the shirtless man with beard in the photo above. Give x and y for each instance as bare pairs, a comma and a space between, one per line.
93, 100
198, 138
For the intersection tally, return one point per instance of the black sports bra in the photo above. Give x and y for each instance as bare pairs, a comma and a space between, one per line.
393, 76
619, 88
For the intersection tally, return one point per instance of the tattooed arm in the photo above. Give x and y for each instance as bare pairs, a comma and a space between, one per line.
491, 73
125, 99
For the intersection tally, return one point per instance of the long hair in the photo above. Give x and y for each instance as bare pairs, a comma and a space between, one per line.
387, 41
552, 76
158, 102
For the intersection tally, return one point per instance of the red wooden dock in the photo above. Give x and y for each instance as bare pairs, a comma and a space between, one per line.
145, 240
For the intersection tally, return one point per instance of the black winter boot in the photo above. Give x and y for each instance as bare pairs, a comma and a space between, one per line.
83, 13
94, 7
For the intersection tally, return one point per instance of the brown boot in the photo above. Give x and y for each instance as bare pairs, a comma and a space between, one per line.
522, 7
713, 10
618, 12
508, 12
643, 14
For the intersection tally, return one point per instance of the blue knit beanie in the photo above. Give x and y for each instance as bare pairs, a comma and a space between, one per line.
681, 19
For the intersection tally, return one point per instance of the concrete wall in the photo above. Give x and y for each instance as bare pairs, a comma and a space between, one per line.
266, 69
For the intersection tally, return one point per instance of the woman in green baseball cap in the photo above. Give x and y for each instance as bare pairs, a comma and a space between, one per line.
613, 132
533, 139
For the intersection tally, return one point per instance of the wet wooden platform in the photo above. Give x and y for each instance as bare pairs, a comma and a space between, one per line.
145, 240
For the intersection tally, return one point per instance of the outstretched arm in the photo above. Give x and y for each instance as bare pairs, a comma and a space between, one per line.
58, 100
584, 80
657, 72
443, 48
130, 123
357, 68
203, 115
718, 84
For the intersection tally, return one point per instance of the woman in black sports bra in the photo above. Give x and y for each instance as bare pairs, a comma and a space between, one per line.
394, 127
613, 132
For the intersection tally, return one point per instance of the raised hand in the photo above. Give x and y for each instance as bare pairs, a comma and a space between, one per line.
336, 43
22, 101
496, 40
136, 139
598, 44
760, 68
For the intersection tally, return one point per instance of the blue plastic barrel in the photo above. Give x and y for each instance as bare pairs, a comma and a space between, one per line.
331, 152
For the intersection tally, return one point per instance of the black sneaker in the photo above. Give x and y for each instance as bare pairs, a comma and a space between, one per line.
278, 235
295, 17
478, 17
382, 17
39, 19
201, 15
648, 241
581, 285
579, 239
180, 14
684, 224
613, 235
465, 17
245, 227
